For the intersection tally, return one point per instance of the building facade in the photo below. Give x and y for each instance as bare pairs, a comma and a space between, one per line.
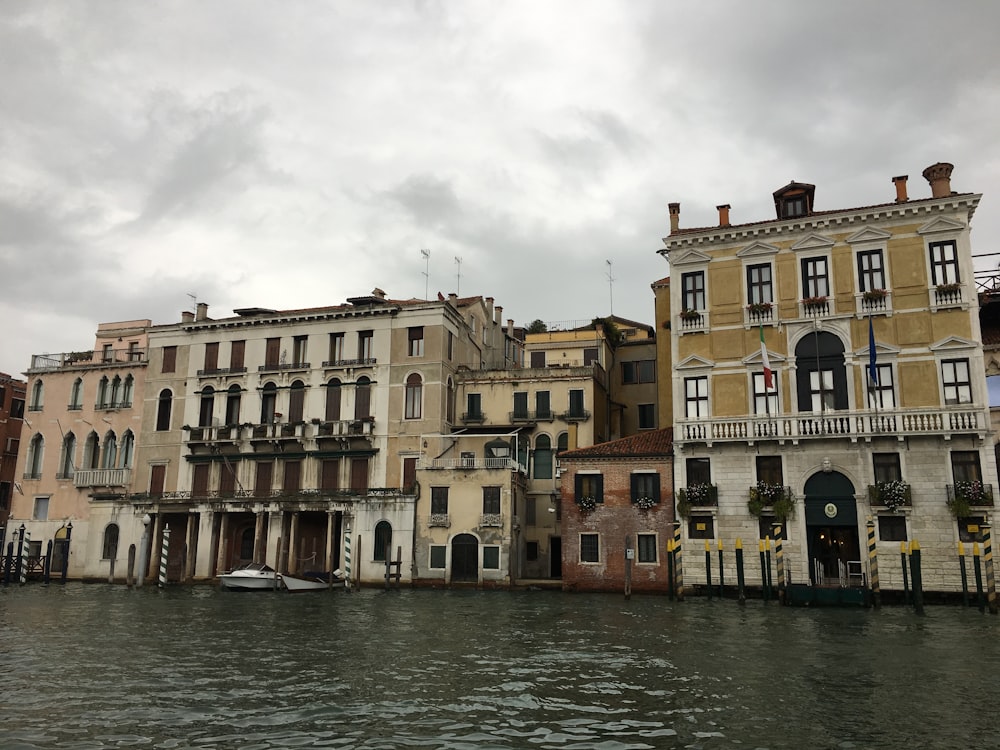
827, 370
12, 393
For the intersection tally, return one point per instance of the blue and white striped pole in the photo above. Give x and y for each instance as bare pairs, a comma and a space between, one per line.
347, 556
25, 541
164, 550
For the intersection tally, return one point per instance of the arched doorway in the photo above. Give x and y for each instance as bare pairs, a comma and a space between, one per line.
832, 530
464, 559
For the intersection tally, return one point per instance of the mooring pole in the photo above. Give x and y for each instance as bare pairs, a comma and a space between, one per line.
722, 572
978, 571
906, 585
991, 589
779, 561
965, 577
708, 569
918, 585
670, 569
741, 592
763, 570
678, 562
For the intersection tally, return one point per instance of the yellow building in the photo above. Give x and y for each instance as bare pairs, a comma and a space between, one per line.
875, 406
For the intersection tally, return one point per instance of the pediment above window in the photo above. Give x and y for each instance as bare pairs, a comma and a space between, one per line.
869, 234
694, 362
813, 241
754, 360
941, 225
757, 249
953, 343
881, 350
689, 258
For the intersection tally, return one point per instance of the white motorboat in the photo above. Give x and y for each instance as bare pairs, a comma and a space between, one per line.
313, 583
252, 577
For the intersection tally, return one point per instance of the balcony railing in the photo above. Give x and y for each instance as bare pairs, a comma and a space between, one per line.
221, 371
344, 428
874, 302
693, 321
892, 495
283, 366
476, 417
88, 358
947, 295
491, 520
758, 314
102, 477
575, 415
275, 494
213, 434
545, 415
973, 494
508, 464
439, 519
366, 362
815, 307
854, 425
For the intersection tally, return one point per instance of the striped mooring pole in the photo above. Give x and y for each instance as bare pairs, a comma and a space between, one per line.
678, 563
991, 588
965, 576
670, 568
164, 551
906, 584
779, 561
873, 564
25, 541
347, 557
722, 572
977, 570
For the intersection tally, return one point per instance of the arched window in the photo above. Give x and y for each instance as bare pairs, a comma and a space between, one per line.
414, 396
450, 403
562, 442
116, 391
383, 541
163, 406
37, 396
363, 398
92, 451
68, 458
206, 406
543, 457
268, 402
233, 396
820, 372
102, 392
127, 450
109, 452
296, 401
76, 394
128, 391
246, 544
36, 451
333, 400
110, 546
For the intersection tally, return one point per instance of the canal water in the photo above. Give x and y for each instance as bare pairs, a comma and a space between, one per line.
96, 666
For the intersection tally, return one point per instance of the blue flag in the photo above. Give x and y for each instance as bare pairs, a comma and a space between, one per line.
872, 368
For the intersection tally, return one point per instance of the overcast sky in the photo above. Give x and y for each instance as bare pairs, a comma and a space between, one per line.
289, 154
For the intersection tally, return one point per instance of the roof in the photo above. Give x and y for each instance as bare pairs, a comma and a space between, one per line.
645, 444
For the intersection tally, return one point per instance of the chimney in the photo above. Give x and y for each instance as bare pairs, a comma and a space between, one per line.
510, 327
939, 177
498, 315
452, 296
675, 216
900, 183
187, 316
489, 308
724, 215
376, 292
202, 311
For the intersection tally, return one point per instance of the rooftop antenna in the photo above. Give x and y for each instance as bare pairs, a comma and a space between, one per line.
427, 271
611, 287
458, 275
194, 301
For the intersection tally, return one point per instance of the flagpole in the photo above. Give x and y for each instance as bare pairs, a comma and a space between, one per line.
873, 371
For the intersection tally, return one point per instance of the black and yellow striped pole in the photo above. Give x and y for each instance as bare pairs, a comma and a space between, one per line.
722, 573
977, 570
678, 562
906, 585
741, 589
991, 588
708, 569
965, 577
763, 569
873, 564
670, 568
779, 561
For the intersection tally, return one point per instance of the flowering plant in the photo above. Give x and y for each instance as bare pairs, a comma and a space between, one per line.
758, 308
689, 314
645, 502
873, 295
890, 494
948, 288
973, 492
775, 496
813, 301
587, 502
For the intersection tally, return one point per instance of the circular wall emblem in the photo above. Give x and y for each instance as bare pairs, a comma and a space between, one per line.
831, 510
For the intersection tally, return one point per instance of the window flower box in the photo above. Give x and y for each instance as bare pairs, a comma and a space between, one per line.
644, 502
966, 494
776, 497
814, 301
948, 288
874, 295
696, 496
690, 315
759, 308
587, 503
892, 495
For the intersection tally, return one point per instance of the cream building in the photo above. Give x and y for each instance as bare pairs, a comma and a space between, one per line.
878, 407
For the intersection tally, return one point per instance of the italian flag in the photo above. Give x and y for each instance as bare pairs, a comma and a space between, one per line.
768, 373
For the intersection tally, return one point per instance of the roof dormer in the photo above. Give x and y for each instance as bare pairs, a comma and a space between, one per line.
794, 200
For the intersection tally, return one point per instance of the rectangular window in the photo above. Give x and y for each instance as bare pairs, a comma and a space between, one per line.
871, 271
892, 528
415, 341
646, 544
647, 416
299, 345
336, 353
41, 509
439, 556
491, 500
590, 485
199, 484
815, 279
576, 403
237, 354
359, 474
262, 481
701, 527
639, 371
474, 406
821, 389
696, 397
212, 356
272, 352
17, 408
157, 479
765, 527
881, 395
698, 470
944, 262
329, 478
693, 290
537, 360
409, 474
970, 528
293, 476
765, 400
439, 501
645, 487
169, 359
759, 286
107, 355
134, 355
957, 384
590, 550
886, 467
530, 512
365, 339
491, 557
227, 480
965, 466
769, 470
531, 551
543, 408
451, 346
590, 355
520, 405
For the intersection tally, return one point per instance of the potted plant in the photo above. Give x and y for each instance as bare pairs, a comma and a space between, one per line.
696, 495
774, 496
759, 308
968, 493
874, 295
890, 494
587, 503
689, 314
645, 502
814, 301
948, 288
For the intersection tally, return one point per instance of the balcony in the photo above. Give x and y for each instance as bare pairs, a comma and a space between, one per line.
278, 431
891, 495
473, 417
759, 314
963, 496
88, 358
944, 296
344, 428
214, 434
852, 425
575, 415
873, 302
217, 371
365, 362
102, 477
283, 366
468, 463
693, 321
442, 520
532, 416
815, 307
491, 520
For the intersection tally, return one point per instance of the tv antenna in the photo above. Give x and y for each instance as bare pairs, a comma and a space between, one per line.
194, 301
458, 275
427, 271
611, 287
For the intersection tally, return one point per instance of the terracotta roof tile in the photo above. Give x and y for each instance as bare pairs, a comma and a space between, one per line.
651, 443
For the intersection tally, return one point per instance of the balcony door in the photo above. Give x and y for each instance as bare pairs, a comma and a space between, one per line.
821, 373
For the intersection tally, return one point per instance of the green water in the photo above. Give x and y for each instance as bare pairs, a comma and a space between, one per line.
95, 666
